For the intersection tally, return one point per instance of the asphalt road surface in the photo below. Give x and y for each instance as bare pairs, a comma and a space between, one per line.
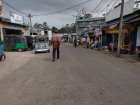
79, 77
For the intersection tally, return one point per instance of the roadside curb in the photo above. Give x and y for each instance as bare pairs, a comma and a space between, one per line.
112, 55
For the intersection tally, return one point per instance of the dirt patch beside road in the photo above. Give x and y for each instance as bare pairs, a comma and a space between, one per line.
14, 60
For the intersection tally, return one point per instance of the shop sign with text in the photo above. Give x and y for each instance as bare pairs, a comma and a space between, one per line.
10, 26
15, 18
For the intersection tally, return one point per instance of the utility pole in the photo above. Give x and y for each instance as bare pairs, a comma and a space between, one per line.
77, 15
76, 26
31, 23
120, 28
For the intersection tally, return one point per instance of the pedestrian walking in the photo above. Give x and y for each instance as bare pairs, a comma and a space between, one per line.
56, 41
75, 42
83, 41
88, 41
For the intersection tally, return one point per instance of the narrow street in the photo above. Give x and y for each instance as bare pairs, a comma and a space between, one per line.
79, 77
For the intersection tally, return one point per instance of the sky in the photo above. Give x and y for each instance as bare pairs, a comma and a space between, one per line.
37, 7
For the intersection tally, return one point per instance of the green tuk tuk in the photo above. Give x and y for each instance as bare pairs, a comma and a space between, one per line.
15, 42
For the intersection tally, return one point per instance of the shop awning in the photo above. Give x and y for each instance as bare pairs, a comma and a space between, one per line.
134, 20
117, 22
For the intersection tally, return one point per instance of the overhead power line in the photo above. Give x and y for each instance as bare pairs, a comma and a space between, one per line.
63, 9
27, 20
113, 5
89, 4
105, 8
97, 6
14, 8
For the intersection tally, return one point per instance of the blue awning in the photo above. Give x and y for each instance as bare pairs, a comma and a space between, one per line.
118, 22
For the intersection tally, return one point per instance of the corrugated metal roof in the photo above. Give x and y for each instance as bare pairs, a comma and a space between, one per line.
91, 19
124, 20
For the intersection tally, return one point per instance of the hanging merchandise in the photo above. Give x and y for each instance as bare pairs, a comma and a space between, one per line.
126, 39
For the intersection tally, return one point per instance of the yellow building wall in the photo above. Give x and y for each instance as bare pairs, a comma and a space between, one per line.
1, 26
23, 29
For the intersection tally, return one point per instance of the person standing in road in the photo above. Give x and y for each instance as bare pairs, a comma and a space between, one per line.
56, 41
75, 42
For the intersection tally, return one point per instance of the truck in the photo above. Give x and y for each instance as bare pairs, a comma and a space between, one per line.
49, 34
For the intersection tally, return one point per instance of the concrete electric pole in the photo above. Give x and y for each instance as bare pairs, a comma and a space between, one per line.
31, 23
120, 28
76, 23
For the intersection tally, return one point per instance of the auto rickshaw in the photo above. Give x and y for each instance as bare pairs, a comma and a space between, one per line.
15, 42
30, 42
2, 53
42, 44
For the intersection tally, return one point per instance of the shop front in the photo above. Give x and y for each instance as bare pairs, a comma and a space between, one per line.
8, 28
112, 34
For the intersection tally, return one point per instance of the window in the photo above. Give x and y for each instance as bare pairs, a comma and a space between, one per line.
41, 39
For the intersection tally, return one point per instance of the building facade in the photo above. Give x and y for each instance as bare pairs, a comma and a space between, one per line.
89, 24
8, 28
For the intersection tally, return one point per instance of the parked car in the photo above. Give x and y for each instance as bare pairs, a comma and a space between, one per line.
42, 44
30, 42
15, 42
2, 53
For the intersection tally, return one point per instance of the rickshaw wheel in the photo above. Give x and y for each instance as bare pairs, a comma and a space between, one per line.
0, 58
35, 52
48, 51
139, 55
29, 49
20, 50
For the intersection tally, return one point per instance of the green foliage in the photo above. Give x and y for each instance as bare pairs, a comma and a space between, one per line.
40, 27
68, 28
88, 15
53, 29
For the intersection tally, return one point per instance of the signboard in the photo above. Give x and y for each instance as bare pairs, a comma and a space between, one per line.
85, 34
112, 26
15, 18
11, 26
98, 31
114, 14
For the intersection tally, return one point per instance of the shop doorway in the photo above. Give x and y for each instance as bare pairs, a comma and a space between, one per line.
11, 32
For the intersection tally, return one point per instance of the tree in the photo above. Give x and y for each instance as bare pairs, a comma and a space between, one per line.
45, 26
88, 15
37, 27
68, 28
40, 27
53, 29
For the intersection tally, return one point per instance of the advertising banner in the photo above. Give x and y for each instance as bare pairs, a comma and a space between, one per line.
112, 26
15, 18
98, 31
